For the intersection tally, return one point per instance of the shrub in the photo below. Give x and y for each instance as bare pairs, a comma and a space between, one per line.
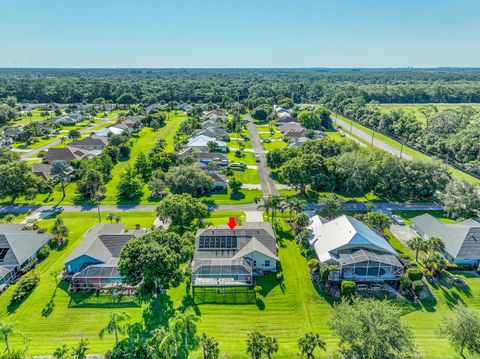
348, 288
25, 285
414, 274
405, 283
41, 154
279, 276
417, 286
43, 252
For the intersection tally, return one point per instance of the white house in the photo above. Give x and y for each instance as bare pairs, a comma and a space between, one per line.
200, 143
361, 253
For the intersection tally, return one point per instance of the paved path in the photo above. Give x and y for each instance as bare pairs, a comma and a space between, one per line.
31, 154
347, 127
254, 216
266, 181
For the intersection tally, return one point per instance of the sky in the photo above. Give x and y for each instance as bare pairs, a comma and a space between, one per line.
239, 33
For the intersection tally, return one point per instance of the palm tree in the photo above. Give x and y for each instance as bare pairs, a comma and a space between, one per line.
110, 217
416, 244
60, 352
114, 325
59, 169
209, 347
255, 343
272, 204
270, 346
435, 244
80, 350
6, 329
435, 262
184, 325
309, 342
296, 204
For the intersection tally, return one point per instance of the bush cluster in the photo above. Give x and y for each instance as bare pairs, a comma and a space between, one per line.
25, 285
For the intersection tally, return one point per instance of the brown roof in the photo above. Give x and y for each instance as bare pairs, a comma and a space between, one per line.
66, 154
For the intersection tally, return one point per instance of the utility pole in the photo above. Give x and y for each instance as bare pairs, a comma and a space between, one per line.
401, 150
351, 126
373, 135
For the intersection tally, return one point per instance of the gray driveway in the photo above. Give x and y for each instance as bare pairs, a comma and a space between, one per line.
403, 233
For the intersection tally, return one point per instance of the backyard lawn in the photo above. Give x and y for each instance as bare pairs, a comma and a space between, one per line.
247, 157
65, 325
236, 144
247, 177
286, 309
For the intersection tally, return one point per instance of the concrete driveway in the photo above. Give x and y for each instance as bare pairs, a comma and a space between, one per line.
403, 233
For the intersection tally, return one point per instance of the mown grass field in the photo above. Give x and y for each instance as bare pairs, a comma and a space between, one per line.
414, 109
247, 157
286, 309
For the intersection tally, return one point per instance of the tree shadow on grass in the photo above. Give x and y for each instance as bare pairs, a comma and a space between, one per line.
158, 312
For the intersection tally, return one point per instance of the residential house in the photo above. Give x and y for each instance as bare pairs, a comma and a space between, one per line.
297, 142
44, 170
295, 133
361, 253
285, 117
113, 130
65, 120
94, 262
131, 122
13, 132
226, 257
200, 143
214, 132
91, 143
220, 181
184, 107
66, 154
5, 142
462, 240
155, 107
17, 248
212, 124
289, 126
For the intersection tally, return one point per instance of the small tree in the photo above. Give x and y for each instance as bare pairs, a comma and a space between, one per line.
130, 185
59, 230
79, 351
309, 342
61, 352
235, 185
416, 244
114, 325
255, 344
462, 329
59, 169
414, 274
74, 134
209, 347
6, 330
270, 346
332, 205
348, 288
377, 220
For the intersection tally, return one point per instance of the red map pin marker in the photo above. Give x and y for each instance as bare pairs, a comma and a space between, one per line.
232, 223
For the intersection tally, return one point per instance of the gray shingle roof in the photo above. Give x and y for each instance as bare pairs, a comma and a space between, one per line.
462, 240
261, 231
103, 242
23, 243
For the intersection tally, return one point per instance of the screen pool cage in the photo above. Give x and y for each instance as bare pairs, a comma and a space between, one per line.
225, 272
96, 277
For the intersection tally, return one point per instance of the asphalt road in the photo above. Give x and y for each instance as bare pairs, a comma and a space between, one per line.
266, 181
367, 137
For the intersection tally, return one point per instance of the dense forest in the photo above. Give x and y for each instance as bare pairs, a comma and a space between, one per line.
148, 86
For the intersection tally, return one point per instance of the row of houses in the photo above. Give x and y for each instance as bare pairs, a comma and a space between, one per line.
292, 132
198, 148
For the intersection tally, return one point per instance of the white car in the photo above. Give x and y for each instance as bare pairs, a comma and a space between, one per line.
399, 220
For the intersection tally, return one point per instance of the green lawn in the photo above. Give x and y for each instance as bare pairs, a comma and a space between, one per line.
222, 217
414, 108
244, 196
65, 325
408, 215
247, 176
276, 134
274, 145
236, 143
246, 157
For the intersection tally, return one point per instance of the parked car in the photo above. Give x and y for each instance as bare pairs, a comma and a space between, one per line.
399, 220
266, 140
257, 157
239, 166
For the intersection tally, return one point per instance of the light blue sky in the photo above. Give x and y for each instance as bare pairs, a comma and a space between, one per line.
239, 33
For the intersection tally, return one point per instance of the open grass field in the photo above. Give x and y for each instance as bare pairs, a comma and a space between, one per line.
414, 109
236, 144
65, 324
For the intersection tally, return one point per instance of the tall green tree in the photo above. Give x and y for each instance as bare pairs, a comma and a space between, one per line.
462, 329
130, 184
182, 210
79, 351
371, 329
59, 170
209, 347
184, 326
376, 220
255, 342
332, 205
416, 244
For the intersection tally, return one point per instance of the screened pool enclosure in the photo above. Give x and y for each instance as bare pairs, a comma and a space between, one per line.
221, 272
